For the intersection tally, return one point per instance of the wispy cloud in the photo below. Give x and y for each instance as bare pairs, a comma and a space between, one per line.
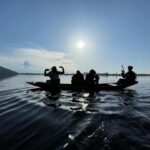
36, 60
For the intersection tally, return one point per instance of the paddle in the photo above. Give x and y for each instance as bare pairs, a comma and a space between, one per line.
122, 68
123, 71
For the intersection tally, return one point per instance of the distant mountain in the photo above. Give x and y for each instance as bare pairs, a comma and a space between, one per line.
4, 72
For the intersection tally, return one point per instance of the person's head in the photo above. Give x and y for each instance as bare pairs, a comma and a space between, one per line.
130, 68
54, 69
92, 71
78, 72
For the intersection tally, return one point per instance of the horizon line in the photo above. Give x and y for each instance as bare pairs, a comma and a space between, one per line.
103, 74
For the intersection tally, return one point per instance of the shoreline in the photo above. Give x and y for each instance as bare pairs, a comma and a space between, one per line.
100, 74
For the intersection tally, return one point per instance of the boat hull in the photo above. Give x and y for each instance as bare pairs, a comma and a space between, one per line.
99, 87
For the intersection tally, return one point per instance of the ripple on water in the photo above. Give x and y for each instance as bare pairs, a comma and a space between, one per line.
107, 120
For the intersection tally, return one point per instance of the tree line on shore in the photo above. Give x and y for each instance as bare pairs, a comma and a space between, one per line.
8, 72
100, 74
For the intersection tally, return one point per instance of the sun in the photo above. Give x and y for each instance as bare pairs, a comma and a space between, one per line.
80, 44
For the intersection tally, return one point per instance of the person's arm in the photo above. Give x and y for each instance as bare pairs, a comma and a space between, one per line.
63, 71
72, 79
97, 78
45, 72
123, 74
82, 77
135, 75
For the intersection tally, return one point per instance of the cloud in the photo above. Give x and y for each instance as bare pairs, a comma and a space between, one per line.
36, 60
26, 64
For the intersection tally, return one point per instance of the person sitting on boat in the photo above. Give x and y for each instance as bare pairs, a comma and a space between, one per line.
92, 78
129, 77
54, 75
77, 79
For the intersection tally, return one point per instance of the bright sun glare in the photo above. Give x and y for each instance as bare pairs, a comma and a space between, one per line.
80, 44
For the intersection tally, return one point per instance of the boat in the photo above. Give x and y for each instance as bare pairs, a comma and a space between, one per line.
68, 87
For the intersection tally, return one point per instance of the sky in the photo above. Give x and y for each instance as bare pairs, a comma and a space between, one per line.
39, 34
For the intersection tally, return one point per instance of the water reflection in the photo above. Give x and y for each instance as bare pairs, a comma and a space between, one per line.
6, 77
107, 102
107, 120
52, 99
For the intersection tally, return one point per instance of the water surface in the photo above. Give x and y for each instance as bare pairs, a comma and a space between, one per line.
109, 120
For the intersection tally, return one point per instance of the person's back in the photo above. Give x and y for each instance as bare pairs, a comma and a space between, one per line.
78, 78
92, 78
91, 81
130, 76
89, 78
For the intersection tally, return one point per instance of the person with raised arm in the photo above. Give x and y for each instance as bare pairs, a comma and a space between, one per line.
53, 73
128, 77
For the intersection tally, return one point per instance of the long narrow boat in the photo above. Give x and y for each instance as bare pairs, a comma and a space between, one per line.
99, 87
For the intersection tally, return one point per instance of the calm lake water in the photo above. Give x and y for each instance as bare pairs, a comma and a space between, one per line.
109, 120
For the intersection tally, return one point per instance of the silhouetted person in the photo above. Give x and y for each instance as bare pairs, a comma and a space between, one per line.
54, 75
129, 77
91, 81
92, 78
77, 79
